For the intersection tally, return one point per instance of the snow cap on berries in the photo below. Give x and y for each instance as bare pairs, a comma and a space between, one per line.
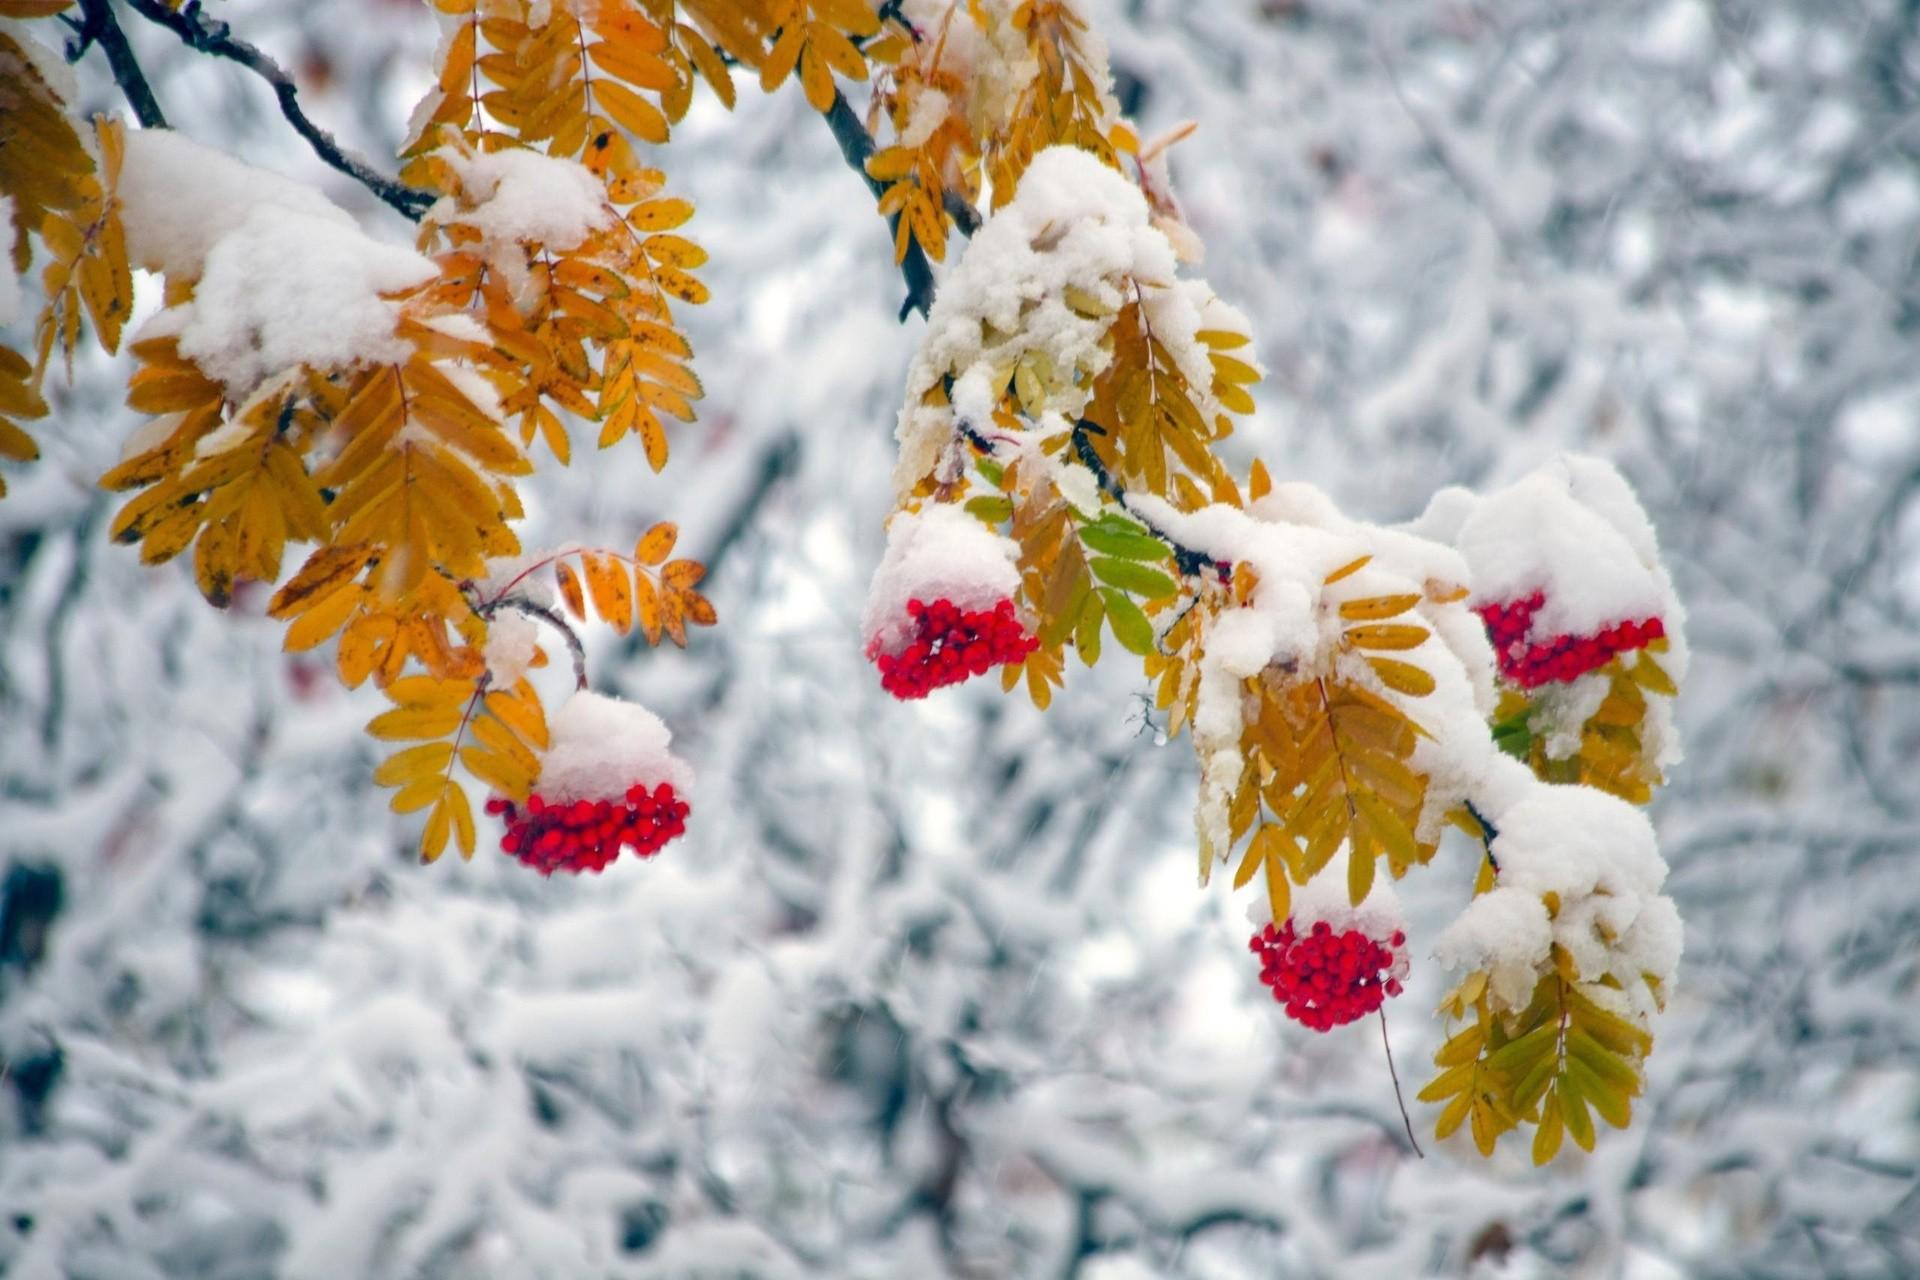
937, 553
1571, 531
600, 746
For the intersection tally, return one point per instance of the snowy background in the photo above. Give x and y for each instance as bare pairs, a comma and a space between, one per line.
927, 989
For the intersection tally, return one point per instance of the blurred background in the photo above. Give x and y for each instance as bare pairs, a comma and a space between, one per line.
927, 990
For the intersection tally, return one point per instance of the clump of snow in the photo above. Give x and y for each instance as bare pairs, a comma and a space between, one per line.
520, 576
285, 288
1573, 531
1597, 856
1075, 225
511, 641
11, 302
179, 199
519, 195
599, 746
937, 553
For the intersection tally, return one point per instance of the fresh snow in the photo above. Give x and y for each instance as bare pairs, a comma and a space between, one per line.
937, 553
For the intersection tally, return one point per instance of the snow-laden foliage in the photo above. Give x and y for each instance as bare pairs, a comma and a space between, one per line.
927, 990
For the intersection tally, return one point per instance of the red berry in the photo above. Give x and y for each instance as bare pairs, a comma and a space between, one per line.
1530, 663
587, 835
949, 645
1324, 979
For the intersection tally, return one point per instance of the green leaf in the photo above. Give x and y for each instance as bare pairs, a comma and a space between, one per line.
1132, 577
1118, 542
1086, 632
1130, 626
993, 510
993, 472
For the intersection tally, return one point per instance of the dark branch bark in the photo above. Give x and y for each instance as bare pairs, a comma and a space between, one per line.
98, 26
1189, 561
856, 144
209, 35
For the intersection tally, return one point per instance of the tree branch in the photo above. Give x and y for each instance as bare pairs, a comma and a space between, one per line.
856, 144
1189, 561
212, 36
99, 26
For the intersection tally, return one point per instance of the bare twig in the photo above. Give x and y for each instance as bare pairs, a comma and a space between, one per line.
1404, 1117
97, 25
212, 36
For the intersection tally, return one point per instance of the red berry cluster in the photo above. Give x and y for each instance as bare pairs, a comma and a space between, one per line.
1326, 979
586, 835
950, 644
1557, 658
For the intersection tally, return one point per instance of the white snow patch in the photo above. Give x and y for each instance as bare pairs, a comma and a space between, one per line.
937, 553
599, 746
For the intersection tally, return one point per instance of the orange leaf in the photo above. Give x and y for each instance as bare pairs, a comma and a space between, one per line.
570, 590
611, 589
657, 543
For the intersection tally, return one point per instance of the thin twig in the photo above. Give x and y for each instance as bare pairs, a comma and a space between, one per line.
1404, 1117
99, 26
520, 604
212, 36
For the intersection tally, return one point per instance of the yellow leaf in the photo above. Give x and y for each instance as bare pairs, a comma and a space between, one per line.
816, 79
433, 839
781, 58
631, 111
403, 723
1373, 608
1348, 569
1402, 677
1386, 636
457, 803
520, 710
659, 215
417, 795
429, 759
498, 770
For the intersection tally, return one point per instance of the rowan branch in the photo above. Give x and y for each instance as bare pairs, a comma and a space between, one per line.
212, 36
1189, 561
97, 25
856, 144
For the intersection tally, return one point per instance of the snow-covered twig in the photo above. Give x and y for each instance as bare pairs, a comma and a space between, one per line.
522, 605
210, 35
